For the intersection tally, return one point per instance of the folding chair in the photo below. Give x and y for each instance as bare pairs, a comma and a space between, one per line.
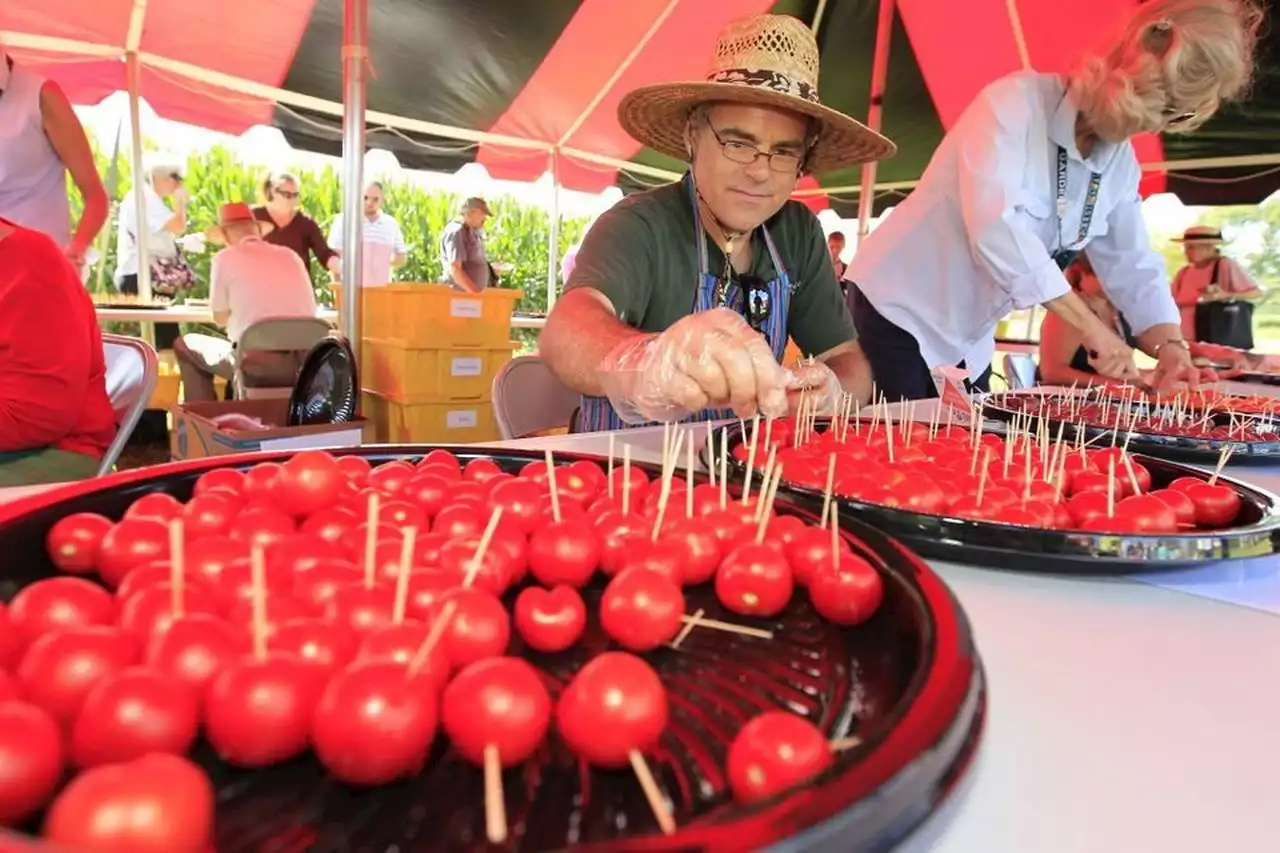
1019, 370
132, 369
292, 337
529, 399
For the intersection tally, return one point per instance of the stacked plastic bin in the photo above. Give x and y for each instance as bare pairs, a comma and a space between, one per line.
428, 359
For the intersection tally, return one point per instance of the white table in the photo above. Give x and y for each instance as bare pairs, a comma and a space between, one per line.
1122, 716
202, 314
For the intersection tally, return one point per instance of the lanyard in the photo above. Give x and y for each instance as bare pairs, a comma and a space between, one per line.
1090, 200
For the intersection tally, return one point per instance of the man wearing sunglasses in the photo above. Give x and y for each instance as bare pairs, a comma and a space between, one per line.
683, 298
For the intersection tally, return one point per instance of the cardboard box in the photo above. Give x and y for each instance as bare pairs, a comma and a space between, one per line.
195, 435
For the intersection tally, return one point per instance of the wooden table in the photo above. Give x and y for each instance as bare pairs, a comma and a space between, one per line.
202, 314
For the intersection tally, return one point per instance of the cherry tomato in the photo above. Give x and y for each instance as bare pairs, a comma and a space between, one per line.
157, 804
614, 706
131, 542
209, 514
60, 669
564, 552
481, 469
11, 644
330, 525
355, 468
262, 525
755, 580
847, 593
151, 610
1148, 514
521, 503
642, 609
499, 704
258, 712
390, 477
260, 480
663, 557
226, 479
206, 558
775, 752
1216, 505
194, 649
74, 541
31, 759
132, 713
550, 620
480, 627
53, 604
360, 608
316, 641
1184, 510
442, 457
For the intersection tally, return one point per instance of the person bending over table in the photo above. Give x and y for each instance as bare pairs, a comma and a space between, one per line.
55, 418
683, 297
1038, 167
1064, 359
249, 280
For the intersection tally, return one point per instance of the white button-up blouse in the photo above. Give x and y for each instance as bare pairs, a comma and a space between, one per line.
974, 240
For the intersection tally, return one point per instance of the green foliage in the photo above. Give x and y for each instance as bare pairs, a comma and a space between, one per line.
518, 234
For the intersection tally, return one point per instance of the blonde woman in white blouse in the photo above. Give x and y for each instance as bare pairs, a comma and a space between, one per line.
1037, 168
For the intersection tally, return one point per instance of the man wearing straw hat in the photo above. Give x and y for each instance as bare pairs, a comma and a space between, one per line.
1208, 276
249, 280
682, 298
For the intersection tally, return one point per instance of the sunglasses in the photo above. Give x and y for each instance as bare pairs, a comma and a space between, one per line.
373, 198
288, 194
177, 176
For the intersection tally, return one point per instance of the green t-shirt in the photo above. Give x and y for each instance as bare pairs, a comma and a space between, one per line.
642, 254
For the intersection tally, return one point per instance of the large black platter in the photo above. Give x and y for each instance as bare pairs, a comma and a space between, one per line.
1011, 546
1203, 451
908, 683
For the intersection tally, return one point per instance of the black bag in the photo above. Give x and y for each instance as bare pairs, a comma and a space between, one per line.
1228, 324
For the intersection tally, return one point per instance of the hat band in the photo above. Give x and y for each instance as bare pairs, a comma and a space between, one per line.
764, 79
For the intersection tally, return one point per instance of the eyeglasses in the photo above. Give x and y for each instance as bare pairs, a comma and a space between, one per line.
373, 198
785, 162
177, 176
289, 194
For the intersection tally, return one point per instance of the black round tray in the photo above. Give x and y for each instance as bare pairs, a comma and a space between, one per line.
1254, 378
1011, 546
908, 683
1202, 451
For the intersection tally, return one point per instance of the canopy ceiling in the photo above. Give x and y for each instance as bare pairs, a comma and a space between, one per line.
506, 82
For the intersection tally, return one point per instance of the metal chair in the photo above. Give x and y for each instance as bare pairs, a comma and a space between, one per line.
290, 337
132, 369
529, 399
1019, 370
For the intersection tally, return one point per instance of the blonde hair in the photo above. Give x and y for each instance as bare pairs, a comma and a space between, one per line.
275, 179
1172, 58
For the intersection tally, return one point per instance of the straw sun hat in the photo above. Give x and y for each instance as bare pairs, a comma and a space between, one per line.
768, 60
235, 213
1205, 234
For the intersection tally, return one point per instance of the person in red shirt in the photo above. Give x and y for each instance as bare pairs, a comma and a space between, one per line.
55, 418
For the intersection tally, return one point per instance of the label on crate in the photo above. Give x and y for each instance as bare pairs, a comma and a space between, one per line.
465, 308
469, 366
461, 419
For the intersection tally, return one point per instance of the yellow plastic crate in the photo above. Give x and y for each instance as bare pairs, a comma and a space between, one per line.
431, 375
436, 314
399, 422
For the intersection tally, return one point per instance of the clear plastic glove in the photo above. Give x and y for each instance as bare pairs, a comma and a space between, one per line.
1110, 355
819, 386
711, 359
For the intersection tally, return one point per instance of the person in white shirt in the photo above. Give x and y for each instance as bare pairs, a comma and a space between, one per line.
379, 227
1037, 168
250, 280
163, 179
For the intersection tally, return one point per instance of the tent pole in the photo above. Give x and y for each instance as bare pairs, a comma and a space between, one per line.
879, 74
553, 243
134, 72
354, 56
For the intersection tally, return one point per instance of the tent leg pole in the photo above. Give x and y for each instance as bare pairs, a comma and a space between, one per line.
133, 69
355, 40
553, 240
879, 75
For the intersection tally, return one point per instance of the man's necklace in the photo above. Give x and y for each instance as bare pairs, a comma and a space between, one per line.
730, 237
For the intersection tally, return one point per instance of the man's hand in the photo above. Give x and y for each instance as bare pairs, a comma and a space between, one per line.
817, 384
1110, 355
1174, 368
711, 359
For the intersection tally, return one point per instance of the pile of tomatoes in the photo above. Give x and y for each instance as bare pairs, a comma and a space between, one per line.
1206, 400
1152, 420
124, 659
941, 474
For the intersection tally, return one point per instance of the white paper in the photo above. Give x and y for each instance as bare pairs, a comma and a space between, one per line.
465, 308
462, 419
469, 366
342, 438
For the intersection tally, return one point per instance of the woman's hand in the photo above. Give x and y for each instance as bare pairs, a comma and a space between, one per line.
1174, 368
1110, 355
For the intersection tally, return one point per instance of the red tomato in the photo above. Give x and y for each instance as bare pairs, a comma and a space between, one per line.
31, 760
298, 554
480, 469
459, 520
775, 752
262, 525
157, 804
614, 706
209, 514
154, 574
390, 477
11, 645
206, 558
74, 541
521, 503
260, 480
194, 649
426, 587
360, 608
755, 580
1183, 509
355, 468
10, 689
848, 593
60, 669
310, 480
427, 491
316, 641
158, 505
499, 704
132, 713
374, 724
130, 543
642, 609
493, 573
699, 550
480, 627
258, 712
330, 524
318, 585
151, 610
664, 557
226, 479
442, 457
1216, 505
53, 604
1148, 514
400, 644
564, 552
550, 620
403, 514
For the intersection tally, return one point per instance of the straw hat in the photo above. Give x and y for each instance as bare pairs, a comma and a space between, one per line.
235, 213
769, 60
1203, 234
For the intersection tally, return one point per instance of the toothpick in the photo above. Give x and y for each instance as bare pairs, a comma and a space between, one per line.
626, 479
688, 628
982, 478
433, 638
551, 484
477, 559
177, 569
835, 537
1111, 487
765, 480
1222, 463
724, 470
402, 577
495, 806
729, 627
611, 454
830, 486
766, 508
1133, 475
751, 458
688, 479
652, 794
711, 453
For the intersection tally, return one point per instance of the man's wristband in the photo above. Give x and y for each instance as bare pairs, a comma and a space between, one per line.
1177, 342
